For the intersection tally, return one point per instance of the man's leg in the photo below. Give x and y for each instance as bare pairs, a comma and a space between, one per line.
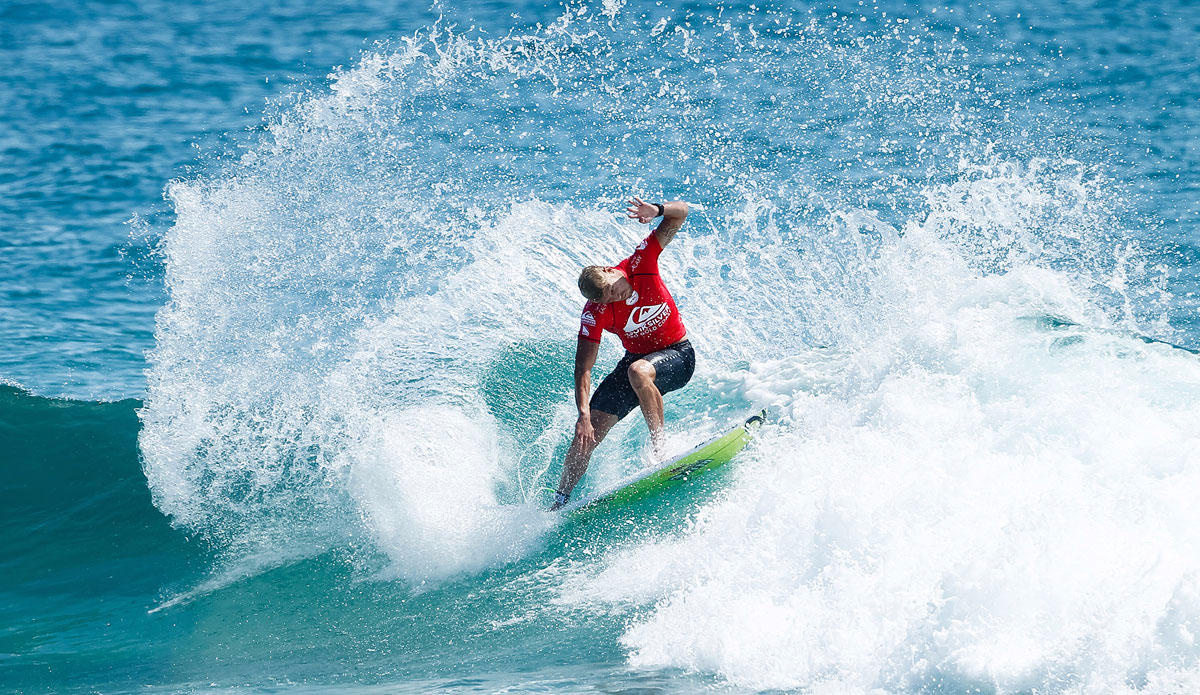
641, 377
580, 454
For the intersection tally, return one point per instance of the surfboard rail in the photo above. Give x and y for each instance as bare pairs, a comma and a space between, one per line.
711, 454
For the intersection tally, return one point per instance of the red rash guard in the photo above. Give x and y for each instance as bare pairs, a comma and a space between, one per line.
648, 320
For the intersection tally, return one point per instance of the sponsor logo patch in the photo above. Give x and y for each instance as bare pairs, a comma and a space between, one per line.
633, 299
683, 472
646, 318
589, 318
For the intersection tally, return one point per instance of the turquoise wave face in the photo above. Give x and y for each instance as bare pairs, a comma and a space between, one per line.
950, 250
84, 549
99, 589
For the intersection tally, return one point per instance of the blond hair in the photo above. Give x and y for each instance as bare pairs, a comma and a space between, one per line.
592, 282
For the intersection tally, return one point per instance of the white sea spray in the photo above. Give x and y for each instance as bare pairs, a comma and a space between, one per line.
976, 473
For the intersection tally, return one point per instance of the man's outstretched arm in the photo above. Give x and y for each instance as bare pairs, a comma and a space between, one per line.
674, 213
585, 358
586, 436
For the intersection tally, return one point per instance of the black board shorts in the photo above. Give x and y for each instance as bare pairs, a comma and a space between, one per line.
673, 367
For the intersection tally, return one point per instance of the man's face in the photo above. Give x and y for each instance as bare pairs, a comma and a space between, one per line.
618, 288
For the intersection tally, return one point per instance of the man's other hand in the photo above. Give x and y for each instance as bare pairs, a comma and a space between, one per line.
584, 432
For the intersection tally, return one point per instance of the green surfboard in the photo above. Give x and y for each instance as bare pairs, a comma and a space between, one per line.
712, 454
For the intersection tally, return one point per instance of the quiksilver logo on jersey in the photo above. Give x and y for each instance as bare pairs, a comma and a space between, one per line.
646, 318
588, 318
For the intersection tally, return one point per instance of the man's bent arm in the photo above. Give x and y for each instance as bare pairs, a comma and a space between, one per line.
674, 213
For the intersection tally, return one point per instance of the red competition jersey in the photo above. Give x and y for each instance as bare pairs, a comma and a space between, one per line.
648, 320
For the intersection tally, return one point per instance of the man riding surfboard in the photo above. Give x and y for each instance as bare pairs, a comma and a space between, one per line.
630, 300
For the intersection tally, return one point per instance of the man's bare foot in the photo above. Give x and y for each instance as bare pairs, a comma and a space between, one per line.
658, 446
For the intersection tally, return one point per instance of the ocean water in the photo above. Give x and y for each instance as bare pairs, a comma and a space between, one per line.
288, 312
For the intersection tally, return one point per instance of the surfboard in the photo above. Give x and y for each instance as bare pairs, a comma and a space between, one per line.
712, 454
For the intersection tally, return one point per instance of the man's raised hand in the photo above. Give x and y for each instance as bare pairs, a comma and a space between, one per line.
641, 211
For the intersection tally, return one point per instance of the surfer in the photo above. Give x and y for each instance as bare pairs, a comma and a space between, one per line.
630, 300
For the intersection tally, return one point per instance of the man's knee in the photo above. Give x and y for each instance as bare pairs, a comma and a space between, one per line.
641, 374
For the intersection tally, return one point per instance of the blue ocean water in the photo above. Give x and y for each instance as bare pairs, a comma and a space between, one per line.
288, 314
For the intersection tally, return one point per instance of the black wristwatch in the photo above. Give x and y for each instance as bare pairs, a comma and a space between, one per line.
661, 210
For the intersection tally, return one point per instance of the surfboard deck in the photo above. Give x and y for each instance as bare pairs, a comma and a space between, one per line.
712, 454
